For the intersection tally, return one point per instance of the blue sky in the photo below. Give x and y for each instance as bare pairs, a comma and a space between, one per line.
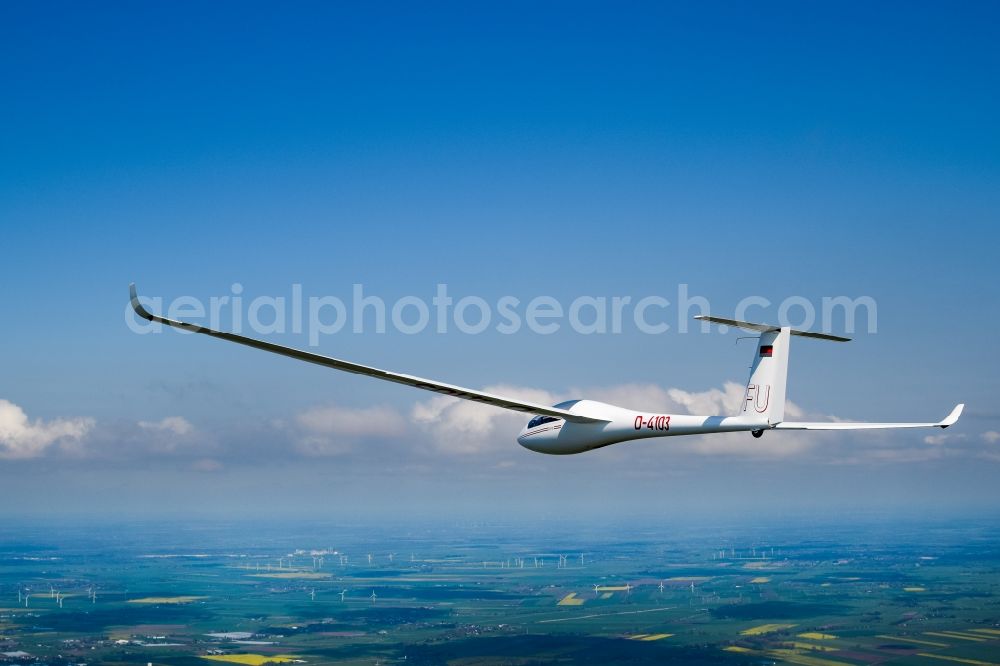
572, 149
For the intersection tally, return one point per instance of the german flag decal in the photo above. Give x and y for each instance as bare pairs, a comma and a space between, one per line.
767, 350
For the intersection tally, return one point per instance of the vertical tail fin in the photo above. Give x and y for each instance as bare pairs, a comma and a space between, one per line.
765, 394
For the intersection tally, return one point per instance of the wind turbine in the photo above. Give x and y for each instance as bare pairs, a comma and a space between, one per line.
661, 587
576, 426
312, 595
373, 597
596, 586
342, 593
369, 559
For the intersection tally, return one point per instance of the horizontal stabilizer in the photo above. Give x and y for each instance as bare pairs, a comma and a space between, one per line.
767, 328
951, 419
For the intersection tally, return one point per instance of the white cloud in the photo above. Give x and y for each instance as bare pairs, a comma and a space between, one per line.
177, 425
647, 397
465, 427
652, 397
990, 436
172, 435
333, 430
352, 422
713, 401
904, 454
942, 438
21, 438
444, 429
206, 465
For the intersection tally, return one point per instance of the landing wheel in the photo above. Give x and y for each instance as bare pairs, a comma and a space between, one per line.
757, 433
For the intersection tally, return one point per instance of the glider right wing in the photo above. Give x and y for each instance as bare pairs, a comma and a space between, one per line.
951, 419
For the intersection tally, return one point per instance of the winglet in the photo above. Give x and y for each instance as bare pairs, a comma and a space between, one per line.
136, 305
952, 418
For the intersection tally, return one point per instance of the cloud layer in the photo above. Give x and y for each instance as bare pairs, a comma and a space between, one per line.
21, 438
177, 425
444, 431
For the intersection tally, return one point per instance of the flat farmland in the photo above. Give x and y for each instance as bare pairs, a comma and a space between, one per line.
501, 594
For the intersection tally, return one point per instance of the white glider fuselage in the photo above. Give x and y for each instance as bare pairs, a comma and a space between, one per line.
560, 437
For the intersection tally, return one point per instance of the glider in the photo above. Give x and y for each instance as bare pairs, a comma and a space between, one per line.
576, 426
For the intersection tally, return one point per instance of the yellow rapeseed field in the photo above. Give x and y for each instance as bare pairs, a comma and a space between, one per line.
649, 637
794, 657
765, 629
912, 640
955, 634
570, 600
252, 659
